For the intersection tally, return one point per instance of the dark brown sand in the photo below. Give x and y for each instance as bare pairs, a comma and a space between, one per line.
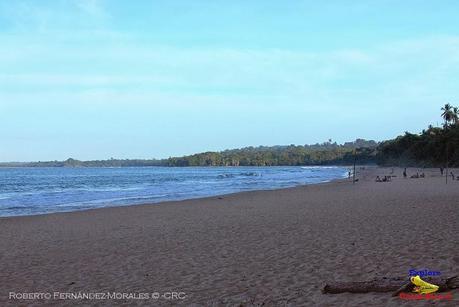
274, 248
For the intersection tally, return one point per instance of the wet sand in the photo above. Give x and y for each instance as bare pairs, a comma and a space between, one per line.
254, 248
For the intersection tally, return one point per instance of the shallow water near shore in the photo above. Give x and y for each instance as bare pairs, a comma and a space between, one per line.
28, 191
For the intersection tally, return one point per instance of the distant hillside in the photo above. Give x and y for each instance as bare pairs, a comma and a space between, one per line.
96, 163
319, 154
434, 147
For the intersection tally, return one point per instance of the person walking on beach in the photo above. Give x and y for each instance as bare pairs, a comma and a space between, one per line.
441, 170
452, 175
404, 173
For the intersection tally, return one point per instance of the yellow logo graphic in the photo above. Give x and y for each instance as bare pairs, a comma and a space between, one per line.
423, 287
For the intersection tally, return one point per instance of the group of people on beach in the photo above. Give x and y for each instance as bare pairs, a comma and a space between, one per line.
417, 175
405, 175
422, 175
384, 179
450, 173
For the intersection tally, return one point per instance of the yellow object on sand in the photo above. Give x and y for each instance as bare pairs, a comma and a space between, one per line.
422, 286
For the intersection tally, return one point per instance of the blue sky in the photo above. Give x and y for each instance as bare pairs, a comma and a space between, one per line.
140, 79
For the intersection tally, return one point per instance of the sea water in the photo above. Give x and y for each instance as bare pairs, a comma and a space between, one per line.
29, 191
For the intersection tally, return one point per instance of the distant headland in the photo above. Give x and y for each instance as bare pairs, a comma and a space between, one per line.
433, 147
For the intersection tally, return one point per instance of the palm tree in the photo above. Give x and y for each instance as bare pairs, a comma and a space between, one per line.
447, 114
455, 114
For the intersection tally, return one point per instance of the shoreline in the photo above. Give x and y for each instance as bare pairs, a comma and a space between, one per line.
274, 246
177, 200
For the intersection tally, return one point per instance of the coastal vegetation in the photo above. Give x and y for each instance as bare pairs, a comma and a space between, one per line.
433, 147
327, 153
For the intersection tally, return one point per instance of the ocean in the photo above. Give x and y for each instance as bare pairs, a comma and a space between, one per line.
30, 191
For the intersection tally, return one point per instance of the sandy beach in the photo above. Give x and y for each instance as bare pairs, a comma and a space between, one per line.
272, 248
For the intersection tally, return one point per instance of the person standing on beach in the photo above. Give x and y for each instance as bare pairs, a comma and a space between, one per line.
441, 170
404, 173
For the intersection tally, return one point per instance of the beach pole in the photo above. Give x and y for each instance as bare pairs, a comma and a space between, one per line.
446, 153
353, 173
446, 163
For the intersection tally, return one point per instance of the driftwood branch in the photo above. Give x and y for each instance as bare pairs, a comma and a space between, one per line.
396, 285
406, 287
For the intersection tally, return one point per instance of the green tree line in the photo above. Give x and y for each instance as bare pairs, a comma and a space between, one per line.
433, 147
319, 154
327, 153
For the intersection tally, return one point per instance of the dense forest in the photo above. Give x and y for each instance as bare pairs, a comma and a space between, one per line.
435, 146
432, 147
327, 153
319, 154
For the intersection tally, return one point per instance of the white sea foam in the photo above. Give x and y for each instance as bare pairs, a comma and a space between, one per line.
55, 189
